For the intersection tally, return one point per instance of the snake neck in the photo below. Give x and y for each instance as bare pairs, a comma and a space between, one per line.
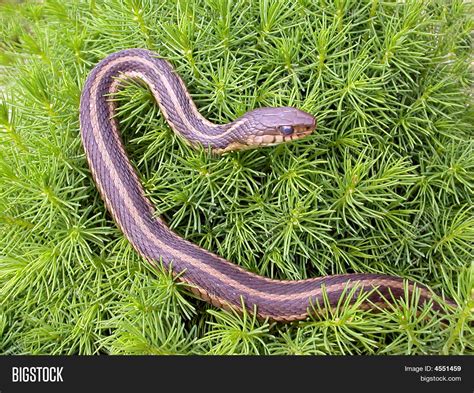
169, 91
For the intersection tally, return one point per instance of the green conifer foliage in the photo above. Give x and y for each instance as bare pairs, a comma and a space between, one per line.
384, 185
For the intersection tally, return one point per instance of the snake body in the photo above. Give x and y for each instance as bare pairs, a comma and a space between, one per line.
209, 276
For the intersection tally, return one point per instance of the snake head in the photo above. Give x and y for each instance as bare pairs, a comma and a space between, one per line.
271, 126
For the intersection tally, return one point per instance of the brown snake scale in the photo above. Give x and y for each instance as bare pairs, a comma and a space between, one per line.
209, 276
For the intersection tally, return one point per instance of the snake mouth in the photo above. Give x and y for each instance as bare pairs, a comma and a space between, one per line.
270, 139
303, 131
275, 139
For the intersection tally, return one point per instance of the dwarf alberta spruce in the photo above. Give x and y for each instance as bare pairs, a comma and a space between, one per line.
385, 184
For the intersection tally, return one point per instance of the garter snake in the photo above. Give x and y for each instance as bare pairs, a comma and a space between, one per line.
209, 276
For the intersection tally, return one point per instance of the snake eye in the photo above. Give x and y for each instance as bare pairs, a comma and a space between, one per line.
286, 130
